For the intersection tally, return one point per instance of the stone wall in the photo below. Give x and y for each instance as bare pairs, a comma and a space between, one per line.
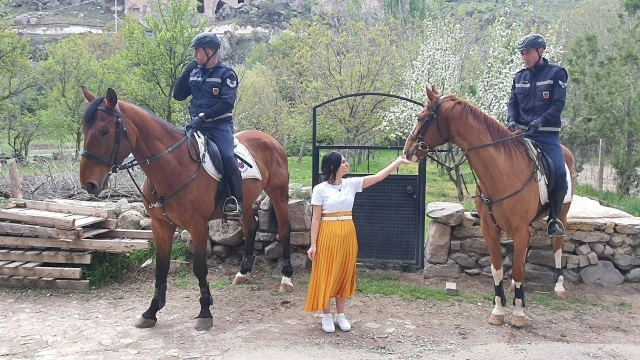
596, 250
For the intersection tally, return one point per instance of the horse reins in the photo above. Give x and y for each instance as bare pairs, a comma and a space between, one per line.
433, 117
159, 201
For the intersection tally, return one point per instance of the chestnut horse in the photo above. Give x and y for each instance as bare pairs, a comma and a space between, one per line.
182, 194
507, 197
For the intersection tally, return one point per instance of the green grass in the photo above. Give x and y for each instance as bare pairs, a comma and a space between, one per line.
562, 305
630, 204
389, 284
106, 268
623, 306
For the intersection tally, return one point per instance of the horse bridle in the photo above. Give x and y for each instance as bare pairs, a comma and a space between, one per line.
113, 158
433, 117
114, 167
120, 129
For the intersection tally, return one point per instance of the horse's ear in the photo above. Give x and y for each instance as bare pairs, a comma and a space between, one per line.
112, 98
431, 94
87, 94
433, 88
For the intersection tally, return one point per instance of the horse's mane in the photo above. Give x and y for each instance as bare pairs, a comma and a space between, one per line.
89, 117
90, 113
495, 129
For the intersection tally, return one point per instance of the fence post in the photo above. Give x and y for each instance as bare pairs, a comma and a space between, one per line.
600, 179
15, 180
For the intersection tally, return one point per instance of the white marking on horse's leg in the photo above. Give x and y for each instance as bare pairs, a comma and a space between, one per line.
240, 278
286, 284
498, 275
519, 308
560, 282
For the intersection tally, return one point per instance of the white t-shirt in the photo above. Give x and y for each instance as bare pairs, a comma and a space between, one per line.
337, 198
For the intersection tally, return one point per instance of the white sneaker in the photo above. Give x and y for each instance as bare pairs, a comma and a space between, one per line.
342, 322
327, 323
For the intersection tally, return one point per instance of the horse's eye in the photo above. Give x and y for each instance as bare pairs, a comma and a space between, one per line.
105, 132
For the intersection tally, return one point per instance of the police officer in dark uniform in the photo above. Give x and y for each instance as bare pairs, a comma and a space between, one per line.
538, 96
213, 86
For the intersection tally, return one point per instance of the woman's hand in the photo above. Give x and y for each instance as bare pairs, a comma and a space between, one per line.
400, 160
311, 253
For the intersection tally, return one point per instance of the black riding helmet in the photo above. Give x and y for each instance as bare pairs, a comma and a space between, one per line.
206, 40
531, 41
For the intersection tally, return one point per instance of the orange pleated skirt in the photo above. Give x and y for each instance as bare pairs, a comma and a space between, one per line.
333, 272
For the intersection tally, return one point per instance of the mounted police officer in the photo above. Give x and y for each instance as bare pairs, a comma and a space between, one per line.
213, 86
537, 99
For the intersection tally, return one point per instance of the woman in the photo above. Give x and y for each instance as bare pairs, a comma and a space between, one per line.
334, 247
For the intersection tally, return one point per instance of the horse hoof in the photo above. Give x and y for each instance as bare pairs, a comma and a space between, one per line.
240, 279
286, 285
561, 295
204, 324
496, 319
143, 323
518, 321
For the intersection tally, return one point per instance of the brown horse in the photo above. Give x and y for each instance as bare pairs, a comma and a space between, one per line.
176, 192
504, 171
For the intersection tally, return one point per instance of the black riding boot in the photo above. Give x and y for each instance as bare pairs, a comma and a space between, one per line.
233, 205
554, 226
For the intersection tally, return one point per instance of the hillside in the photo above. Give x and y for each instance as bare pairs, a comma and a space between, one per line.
71, 16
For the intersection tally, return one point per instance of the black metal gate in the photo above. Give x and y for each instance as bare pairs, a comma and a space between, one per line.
390, 215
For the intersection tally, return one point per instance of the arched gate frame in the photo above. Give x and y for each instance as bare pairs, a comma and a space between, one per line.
389, 216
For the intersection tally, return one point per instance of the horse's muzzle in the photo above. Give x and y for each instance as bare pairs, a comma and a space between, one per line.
94, 189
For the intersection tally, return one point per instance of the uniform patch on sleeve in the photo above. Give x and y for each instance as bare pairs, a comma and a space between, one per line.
232, 83
562, 84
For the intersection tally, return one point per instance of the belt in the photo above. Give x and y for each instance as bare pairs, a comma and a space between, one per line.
543, 128
219, 117
337, 218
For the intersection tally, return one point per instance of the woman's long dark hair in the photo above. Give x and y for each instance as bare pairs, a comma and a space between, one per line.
330, 164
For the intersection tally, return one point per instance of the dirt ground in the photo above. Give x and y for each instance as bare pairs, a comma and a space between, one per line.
254, 321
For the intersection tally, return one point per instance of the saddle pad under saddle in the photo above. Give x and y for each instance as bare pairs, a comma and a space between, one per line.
541, 179
247, 172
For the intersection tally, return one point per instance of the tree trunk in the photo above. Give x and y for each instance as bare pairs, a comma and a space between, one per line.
300, 153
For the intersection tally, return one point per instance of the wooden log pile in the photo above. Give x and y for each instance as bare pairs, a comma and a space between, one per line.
44, 243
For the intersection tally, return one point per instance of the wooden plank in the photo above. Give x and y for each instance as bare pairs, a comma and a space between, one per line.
37, 231
107, 245
89, 232
107, 224
41, 271
61, 257
16, 280
103, 205
72, 284
15, 264
33, 281
88, 220
31, 265
66, 208
129, 234
38, 217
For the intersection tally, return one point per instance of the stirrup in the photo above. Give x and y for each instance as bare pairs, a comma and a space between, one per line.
228, 211
560, 226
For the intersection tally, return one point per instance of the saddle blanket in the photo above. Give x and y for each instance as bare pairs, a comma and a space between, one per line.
247, 172
542, 179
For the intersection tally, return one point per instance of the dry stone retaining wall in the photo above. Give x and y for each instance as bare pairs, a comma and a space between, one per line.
599, 250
